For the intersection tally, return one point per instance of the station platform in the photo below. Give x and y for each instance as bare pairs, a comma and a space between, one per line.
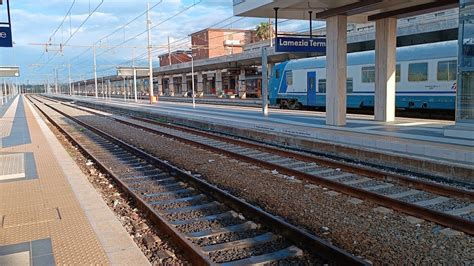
49, 212
252, 102
409, 144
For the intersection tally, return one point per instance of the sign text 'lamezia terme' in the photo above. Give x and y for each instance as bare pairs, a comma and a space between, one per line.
300, 45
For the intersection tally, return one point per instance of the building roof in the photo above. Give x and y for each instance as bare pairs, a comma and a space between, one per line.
356, 10
216, 29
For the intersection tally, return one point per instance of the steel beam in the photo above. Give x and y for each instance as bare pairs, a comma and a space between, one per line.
416, 10
350, 9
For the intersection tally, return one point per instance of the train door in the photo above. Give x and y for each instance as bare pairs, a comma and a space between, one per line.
311, 88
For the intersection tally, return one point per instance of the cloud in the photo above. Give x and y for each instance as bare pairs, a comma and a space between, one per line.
34, 22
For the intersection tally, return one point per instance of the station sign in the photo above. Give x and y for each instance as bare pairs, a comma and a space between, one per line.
6, 37
129, 71
300, 45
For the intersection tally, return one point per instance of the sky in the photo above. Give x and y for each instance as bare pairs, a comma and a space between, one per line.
35, 23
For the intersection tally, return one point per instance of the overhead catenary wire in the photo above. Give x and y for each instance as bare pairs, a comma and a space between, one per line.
156, 25
120, 28
182, 43
68, 13
78, 28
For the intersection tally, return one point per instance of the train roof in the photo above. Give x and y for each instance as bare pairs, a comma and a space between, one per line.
407, 53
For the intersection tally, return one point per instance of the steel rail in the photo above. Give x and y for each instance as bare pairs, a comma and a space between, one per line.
300, 237
196, 255
441, 218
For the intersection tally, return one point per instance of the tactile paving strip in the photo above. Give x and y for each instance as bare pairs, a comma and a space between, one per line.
46, 207
12, 166
17, 167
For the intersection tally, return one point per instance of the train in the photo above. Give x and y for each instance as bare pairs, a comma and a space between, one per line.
425, 76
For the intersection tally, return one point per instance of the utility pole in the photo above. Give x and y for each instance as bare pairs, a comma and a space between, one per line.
95, 73
150, 59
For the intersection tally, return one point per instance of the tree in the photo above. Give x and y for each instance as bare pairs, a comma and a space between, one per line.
264, 31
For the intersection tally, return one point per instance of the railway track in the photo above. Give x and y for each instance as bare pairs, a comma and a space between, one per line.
211, 225
445, 205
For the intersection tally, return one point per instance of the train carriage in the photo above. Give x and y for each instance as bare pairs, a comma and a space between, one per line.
425, 79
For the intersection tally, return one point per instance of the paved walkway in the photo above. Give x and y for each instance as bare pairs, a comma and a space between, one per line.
49, 212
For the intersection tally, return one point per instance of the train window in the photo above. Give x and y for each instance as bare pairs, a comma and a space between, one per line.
349, 85
277, 73
322, 85
447, 70
289, 78
398, 72
418, 72
368, 74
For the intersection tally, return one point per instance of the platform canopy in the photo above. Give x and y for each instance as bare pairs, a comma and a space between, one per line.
9, 72
357, 11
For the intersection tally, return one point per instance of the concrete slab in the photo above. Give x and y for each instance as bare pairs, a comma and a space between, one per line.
404, 194
430, 202
462, 211
20, 258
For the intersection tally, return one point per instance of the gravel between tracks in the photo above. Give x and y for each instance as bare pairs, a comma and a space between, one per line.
381, 238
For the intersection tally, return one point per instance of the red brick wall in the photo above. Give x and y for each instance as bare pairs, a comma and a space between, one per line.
212, 42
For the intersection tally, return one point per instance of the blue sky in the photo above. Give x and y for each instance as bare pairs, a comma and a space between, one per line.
33, 22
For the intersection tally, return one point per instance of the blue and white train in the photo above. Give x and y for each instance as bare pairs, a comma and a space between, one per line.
425, 79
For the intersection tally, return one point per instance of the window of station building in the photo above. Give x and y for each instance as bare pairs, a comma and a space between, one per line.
349, 85
418, 72
322, 86
289, 78
398, 72
368, 74
447, 70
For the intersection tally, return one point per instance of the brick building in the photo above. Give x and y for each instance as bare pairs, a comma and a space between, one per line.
210, 43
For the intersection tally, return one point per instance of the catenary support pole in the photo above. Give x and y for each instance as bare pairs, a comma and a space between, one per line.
69, 79
124, 90
150, 58
95, 74
192, 78
135, 84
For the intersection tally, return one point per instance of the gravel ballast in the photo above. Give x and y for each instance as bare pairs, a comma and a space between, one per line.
380, 238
